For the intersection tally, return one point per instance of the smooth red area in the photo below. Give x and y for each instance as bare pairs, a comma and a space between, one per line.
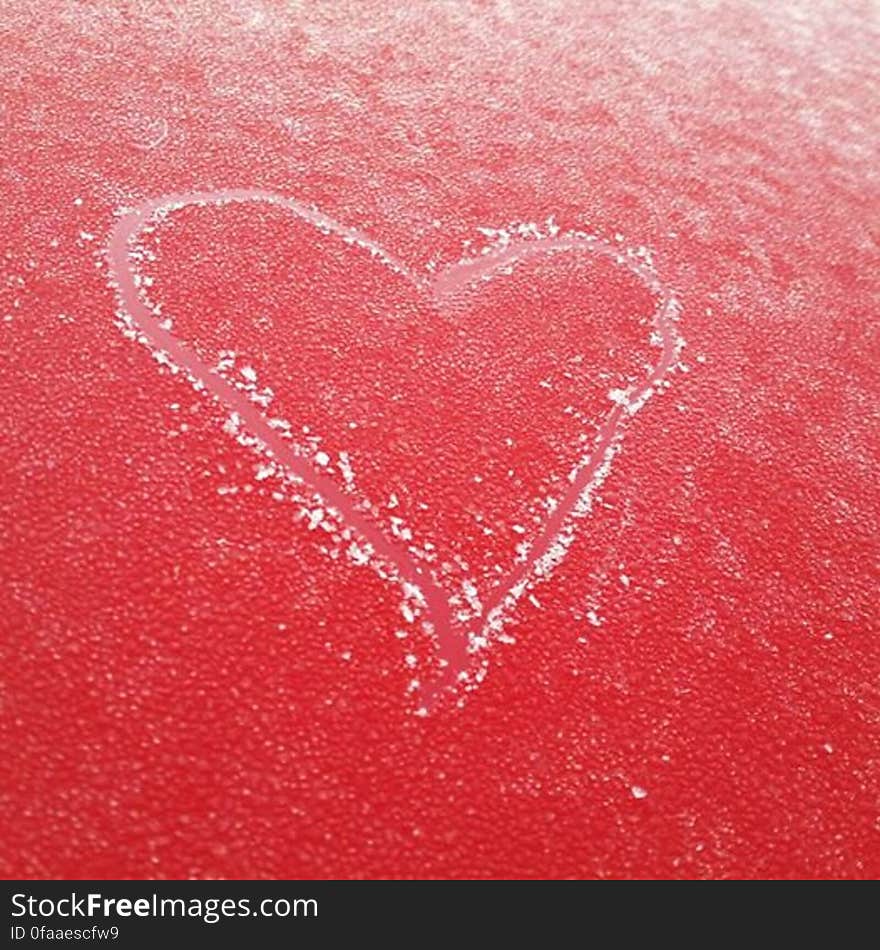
196, 684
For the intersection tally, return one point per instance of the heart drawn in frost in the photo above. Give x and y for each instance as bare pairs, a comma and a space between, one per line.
460, 644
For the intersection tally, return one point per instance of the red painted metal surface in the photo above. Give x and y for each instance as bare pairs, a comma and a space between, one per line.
466, 240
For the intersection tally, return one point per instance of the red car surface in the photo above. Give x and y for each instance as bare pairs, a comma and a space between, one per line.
439, 439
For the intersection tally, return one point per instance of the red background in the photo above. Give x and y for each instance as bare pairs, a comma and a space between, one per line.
175, 700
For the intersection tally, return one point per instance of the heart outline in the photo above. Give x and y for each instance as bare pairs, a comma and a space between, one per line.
455, 646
